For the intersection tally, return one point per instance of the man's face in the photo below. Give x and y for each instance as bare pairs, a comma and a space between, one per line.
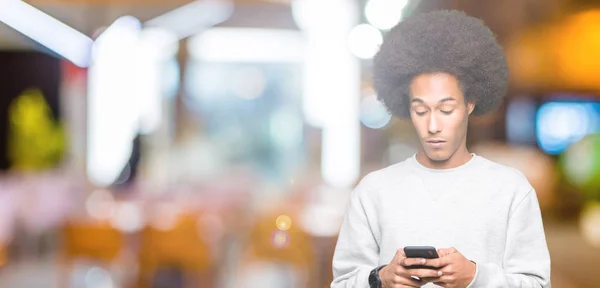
439, 114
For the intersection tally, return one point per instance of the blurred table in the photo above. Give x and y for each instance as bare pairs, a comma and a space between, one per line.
575, 263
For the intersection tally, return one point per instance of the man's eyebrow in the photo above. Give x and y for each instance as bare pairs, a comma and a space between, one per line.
447, 99
419, 100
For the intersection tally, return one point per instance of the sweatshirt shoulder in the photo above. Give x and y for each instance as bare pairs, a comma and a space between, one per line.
386, 176
506, 174
502, 171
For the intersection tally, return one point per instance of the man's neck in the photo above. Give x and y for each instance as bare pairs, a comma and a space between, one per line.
459, 158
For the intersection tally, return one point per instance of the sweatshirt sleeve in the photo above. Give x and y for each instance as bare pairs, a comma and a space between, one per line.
356, 252
526, 257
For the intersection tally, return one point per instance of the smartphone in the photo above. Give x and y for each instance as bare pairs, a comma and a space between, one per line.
427, 252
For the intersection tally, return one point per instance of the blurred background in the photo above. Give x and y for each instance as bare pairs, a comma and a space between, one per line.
214, 143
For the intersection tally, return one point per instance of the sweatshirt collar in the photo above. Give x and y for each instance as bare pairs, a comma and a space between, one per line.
462, 167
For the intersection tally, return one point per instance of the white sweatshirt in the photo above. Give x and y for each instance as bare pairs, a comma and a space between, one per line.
487, 211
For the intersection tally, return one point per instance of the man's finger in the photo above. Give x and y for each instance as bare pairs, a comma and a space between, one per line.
448, 269
446, 251
412, 261
408, 286
438, 262
411, 282
429, 280
403, 277
413, 285
400, 254
447, 279
425, 273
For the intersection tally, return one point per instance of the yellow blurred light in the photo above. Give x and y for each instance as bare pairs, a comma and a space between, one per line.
577, 47
562, 55
283, 222
35, 140
589, 224
529, 58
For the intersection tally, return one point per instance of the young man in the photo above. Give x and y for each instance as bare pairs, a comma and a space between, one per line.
437, 69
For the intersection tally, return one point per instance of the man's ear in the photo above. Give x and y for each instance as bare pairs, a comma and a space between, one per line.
471, 107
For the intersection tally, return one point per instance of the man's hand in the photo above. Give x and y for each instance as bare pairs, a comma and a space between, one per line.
396, 274
457, 270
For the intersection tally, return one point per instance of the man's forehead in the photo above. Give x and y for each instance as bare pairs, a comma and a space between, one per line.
428, 99
435, 88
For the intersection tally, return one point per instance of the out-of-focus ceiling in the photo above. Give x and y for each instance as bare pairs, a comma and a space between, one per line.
88, 16
83, 17
504, 17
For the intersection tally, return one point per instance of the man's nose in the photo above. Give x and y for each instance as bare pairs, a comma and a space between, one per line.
433, 126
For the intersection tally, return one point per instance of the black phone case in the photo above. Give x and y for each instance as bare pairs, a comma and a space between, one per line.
427, 252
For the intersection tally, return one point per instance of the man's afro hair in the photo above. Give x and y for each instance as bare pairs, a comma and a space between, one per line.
440, 41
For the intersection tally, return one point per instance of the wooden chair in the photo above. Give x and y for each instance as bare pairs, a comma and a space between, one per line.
180, 246
291, 247
93, 241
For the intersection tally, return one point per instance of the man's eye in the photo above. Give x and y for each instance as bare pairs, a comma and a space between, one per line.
420, 113
447, 112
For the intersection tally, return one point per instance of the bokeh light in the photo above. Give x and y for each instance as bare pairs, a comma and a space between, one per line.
97, 277
283, 222
581, 163
520, 121
280, 239
590, 224
364, 41
249, 83
100, 204
561, 123
127, 217
254, 133
373, 114
286, 128
384, 14
165, 216
321, 219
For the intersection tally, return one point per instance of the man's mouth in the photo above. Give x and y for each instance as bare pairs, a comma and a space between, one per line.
436, 143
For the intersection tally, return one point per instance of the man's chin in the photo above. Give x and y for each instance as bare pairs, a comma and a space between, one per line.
437, 156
